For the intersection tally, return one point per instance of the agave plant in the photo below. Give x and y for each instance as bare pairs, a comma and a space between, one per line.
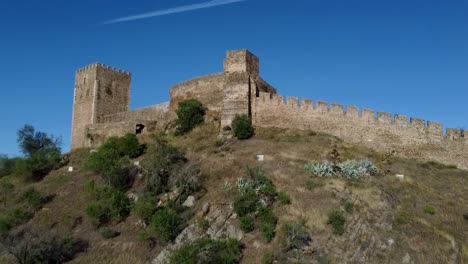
324, 169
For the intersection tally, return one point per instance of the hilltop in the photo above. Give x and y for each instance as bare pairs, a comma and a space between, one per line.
418, 217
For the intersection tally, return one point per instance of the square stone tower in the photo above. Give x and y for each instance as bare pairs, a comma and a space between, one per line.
241, 68
99, 91
241, 61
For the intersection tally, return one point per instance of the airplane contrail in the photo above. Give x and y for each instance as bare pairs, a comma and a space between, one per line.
174, 10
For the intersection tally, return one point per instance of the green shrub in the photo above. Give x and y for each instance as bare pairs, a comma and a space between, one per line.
204, 224
112, 160
337, 220
242, 127
429, 209
145, 207
284, 198
33, 199
120, 205
161, 162
246, 203
268, 222
208, 251
166, 224
13, 218
190, 113
7, 165
247, 223
109, 204
108, 233
349, 207
295, 236
268, 258
98, 212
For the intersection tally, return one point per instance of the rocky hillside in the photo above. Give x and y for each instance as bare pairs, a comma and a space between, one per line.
209, 198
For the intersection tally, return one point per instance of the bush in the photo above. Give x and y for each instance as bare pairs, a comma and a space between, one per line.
28, 248
204, 224
268, 222
112, 160
33, 199
98, 212
295, 236
429, 209
247, 223
7, 166
246, 203
208, 251
108, 233
268, 258
161, 162
109, 204
284, 198
337, 220
190, 113
13, 218
242, 127
146, 206
166, 224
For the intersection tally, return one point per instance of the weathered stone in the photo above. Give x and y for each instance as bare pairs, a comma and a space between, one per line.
189, 202
221, 226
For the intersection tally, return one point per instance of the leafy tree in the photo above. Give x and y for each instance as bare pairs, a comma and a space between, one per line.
242, 127
31, 141
42, 153
190, 113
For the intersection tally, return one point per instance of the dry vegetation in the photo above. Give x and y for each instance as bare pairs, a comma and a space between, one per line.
422, 214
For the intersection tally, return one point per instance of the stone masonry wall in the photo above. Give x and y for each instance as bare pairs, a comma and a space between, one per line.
83, 105
207, 89
113, 94
410, 137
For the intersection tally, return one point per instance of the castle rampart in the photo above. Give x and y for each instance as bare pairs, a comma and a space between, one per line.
378, 130
102, 99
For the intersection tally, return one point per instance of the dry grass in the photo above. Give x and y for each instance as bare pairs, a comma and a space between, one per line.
436, 237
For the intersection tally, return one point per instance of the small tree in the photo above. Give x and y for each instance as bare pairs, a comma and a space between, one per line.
189, 114
242, 127
42, 153
31, 141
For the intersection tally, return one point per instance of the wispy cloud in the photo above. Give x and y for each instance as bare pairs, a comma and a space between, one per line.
174, 10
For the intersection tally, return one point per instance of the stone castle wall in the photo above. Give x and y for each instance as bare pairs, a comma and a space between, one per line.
102, 99
411, 137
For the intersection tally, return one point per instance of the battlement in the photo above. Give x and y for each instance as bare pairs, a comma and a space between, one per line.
364, 116
241, 61
105, 67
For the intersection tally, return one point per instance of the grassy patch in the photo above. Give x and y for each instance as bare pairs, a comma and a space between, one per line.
336, 219
208, 251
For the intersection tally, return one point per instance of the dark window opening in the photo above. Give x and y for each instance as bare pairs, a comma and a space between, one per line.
140, 128
257, 92
84, 81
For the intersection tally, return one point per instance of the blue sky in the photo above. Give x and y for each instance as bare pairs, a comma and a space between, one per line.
399, 56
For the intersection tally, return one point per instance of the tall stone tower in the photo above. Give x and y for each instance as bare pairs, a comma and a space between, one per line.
241, 69
99, 91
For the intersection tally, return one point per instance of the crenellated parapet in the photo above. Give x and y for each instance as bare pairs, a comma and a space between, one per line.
104, 67
362, 116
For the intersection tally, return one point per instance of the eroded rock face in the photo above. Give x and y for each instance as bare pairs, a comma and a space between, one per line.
221, 226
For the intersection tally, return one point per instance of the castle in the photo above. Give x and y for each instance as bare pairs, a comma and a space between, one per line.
101, 109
